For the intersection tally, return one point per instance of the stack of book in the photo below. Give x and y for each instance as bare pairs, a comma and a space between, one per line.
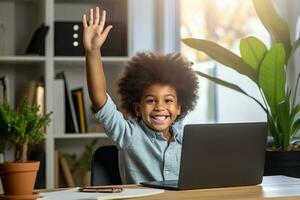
69, 110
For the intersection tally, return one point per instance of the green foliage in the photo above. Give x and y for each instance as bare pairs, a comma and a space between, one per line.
272, 76
266, 68
84, 163
79, 166
223, 56
253, 51
275, 25
22, 127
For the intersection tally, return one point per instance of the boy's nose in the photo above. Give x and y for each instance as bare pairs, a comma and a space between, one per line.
159, 106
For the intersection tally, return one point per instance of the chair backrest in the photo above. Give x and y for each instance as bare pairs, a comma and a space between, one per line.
105, 168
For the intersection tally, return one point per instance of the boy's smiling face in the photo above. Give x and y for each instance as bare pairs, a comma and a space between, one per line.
158, 107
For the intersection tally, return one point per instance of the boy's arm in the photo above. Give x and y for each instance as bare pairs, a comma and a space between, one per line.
94, 35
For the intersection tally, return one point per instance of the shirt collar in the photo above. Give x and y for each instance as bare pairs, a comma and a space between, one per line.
176, 131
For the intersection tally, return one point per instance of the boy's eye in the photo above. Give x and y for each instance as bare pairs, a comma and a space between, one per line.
150, 101
169, 100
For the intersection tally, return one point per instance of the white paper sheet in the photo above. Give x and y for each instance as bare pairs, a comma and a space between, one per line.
73, 194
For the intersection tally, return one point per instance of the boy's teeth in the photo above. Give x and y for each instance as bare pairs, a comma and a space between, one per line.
160, 117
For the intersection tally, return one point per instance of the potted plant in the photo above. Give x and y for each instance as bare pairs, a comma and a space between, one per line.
267, 69
84, 163
21, 128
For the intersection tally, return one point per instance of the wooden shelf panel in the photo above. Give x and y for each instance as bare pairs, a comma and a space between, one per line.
67, 59
20, 1
21, 59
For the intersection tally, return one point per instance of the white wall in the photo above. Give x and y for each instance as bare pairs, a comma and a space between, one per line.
233, 106
143, 25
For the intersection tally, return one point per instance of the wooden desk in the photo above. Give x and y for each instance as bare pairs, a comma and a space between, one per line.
273, 187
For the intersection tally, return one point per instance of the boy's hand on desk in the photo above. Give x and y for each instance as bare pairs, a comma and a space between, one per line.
94, 33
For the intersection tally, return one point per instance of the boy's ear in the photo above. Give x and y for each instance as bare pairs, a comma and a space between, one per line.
179, 109
137, 109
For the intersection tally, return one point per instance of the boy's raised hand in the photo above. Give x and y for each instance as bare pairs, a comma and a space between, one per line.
94, 33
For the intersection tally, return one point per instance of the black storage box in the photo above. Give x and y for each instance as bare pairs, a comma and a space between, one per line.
68, 40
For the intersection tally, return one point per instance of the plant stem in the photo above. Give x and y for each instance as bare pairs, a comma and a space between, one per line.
296, 90
21, 153
263, 97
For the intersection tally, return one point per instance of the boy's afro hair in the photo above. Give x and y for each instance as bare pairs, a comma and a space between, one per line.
146, 69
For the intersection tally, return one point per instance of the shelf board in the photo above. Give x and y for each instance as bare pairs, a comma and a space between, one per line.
66, 59
80, 135
76, 1
21, 1
21, 59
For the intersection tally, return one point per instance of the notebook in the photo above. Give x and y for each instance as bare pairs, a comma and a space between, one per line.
219, 155
73, 193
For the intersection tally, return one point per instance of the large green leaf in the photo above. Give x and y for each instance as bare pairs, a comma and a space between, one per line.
272, 78
294, 124
283, 111
276, 26
229, 85
295, 127
294, 112
253, 51
223, 56
273, 130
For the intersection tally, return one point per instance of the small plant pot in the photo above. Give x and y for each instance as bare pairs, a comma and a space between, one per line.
18, 178
86, 179
282, 163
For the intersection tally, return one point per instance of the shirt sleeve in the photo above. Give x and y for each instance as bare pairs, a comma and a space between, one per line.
116, 127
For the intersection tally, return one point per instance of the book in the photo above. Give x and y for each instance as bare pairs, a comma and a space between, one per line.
77, 95
28, 93
40, 98
4, 89
71, 123
2, 99
126, 193
56, 169
1, 188
59, 107
115, 44
37, 42
66, 172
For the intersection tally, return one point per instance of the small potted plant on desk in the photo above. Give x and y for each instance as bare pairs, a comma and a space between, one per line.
267, 69
21, 128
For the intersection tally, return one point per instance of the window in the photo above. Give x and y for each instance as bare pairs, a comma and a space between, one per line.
224, 22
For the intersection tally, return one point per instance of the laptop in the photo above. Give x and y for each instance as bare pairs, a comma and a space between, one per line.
219, 155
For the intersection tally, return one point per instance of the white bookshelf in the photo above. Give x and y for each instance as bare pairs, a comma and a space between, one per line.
21, 59
64, 59
22, 17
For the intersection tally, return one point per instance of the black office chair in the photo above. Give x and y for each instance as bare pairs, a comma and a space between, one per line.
105, 168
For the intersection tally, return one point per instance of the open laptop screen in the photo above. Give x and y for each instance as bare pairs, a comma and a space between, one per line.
220, 155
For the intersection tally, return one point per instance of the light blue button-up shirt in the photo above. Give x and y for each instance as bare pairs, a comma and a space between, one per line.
144, 154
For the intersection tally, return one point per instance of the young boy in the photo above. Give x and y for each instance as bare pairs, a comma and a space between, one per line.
156, 91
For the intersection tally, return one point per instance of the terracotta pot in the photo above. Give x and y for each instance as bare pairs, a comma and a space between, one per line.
18, 178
